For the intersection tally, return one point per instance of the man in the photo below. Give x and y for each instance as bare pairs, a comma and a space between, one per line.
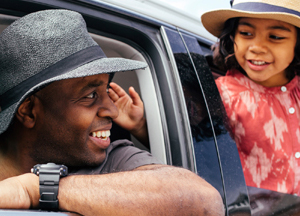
55, 108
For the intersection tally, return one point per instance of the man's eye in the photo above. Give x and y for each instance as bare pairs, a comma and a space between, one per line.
92, 95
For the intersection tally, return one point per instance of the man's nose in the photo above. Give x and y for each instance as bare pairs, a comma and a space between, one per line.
107, 108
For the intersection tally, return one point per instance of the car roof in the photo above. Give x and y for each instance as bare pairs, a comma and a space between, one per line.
164, 12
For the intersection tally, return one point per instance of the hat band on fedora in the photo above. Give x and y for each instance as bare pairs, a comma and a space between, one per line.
63, 66
263, 7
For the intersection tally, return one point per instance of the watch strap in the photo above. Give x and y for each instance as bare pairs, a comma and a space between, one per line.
49, 176
49, 190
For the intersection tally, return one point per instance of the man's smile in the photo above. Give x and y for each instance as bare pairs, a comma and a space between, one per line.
104, 135
100, 138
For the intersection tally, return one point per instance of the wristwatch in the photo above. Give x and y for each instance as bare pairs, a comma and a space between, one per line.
49, 175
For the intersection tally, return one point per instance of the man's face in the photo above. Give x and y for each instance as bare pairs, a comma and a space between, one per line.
74, 121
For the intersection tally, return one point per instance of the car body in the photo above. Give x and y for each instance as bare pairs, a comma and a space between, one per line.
186, 120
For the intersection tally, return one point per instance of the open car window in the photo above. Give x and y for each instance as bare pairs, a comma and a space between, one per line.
142, 81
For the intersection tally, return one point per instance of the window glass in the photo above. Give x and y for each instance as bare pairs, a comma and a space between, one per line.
206, 159
231, 171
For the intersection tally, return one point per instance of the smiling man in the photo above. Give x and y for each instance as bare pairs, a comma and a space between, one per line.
77, 122
56, 115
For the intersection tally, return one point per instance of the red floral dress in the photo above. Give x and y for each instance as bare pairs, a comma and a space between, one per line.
265, 123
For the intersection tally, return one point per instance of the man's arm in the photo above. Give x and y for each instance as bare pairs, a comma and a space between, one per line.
148, 190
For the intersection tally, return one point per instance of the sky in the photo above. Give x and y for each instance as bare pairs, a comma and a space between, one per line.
197, 7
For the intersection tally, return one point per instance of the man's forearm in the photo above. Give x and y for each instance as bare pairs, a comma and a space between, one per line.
150, 190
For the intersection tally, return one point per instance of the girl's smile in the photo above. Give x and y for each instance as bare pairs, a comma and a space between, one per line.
264, 48
257, 65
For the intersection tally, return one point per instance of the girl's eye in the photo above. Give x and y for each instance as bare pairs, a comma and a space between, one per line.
245, 33
92, 95
276, 37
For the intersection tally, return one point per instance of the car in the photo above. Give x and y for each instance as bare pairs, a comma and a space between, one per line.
186, 120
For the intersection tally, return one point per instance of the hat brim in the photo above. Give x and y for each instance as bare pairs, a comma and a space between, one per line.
99, 66
214, 20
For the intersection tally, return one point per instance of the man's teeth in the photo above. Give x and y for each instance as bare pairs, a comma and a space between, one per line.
101, 134
258, 62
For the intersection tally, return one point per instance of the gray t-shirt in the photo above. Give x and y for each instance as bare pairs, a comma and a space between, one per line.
121, 155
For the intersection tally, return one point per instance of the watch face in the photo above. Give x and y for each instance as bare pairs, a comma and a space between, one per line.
50, 168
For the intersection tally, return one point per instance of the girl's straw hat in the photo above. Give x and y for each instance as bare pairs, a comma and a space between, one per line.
283, 10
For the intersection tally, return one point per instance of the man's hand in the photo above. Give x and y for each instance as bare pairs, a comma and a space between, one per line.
131, 111
20, 192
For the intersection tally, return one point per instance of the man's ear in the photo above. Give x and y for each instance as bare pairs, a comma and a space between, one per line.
26, 112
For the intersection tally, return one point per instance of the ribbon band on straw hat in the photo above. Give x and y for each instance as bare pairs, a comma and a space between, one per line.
263, 7
282, 10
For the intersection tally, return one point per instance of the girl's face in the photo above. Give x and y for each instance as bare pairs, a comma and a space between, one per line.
264, 48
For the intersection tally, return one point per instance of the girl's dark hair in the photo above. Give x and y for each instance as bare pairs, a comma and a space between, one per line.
223, 50
294, 67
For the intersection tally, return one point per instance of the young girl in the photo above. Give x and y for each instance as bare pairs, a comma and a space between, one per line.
259, 46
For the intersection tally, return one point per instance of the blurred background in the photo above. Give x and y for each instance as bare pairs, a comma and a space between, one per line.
197, 7
184, 14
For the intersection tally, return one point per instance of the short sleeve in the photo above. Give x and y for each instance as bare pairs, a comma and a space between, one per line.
121, 155
125, 157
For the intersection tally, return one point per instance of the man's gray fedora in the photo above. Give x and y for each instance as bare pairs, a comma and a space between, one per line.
48, 46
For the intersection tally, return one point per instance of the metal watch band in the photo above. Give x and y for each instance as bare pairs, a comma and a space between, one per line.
49, 176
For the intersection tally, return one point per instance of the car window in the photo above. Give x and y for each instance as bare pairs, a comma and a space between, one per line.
142, 81
201, 131
236, 198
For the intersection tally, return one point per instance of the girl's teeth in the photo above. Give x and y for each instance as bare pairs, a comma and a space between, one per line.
258, 62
